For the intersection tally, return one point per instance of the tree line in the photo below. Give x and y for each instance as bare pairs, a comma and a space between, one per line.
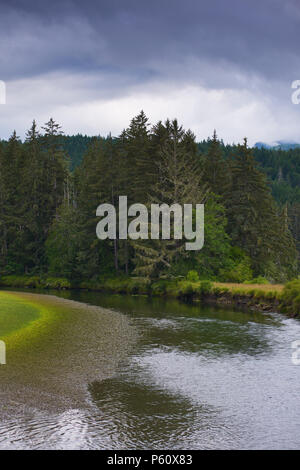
48, 205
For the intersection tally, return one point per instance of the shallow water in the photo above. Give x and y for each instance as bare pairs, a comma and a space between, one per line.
193, 378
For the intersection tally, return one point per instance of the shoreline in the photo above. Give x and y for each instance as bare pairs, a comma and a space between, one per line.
278, 298
49, 360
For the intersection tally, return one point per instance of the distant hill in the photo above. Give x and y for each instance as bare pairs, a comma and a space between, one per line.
280, 145
76, 146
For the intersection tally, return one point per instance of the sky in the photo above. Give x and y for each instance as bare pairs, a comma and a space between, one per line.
93, 65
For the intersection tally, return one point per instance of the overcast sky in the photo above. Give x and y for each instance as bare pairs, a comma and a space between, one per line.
93, 65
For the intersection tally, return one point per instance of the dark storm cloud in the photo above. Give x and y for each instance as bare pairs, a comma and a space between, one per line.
145, 39
225, 64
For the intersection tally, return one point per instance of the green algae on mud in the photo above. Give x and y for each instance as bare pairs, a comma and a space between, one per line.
14, 314
26, 320
52, 358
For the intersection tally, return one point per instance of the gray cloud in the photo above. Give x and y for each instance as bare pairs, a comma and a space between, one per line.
108, 49
260, 37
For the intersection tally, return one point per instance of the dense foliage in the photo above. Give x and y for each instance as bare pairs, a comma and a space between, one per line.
51, 185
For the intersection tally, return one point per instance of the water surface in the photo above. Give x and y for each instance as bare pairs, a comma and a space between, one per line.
195, 377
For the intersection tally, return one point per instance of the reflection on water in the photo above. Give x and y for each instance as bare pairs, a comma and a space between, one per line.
197, 378
141, 416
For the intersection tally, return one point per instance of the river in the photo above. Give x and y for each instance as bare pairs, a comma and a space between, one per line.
196, 377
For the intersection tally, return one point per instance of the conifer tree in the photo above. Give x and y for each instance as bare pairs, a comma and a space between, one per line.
216, 172
56, 162
136, 140
10, 201
179, 182
294, 223
93, 256
45, 177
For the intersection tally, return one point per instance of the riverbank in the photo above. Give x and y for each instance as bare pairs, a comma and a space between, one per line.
47, 356
260, 297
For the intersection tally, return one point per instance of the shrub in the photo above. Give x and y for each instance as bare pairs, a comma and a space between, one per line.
56, 283
35, 282
206, 287
290, 298
117, 285
240, 273
219, 290
138, 286
192, 276
185, 290
159, 288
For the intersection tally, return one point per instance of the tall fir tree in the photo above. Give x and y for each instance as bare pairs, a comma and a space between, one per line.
179, 182
215, 168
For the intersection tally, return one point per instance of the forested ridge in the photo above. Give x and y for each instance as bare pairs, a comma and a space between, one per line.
51, 185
